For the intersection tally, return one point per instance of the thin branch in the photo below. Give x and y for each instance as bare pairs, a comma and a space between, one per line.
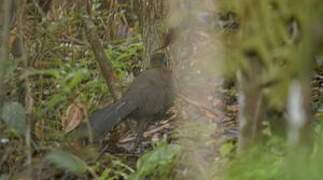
101, 58
28, 97
4, 54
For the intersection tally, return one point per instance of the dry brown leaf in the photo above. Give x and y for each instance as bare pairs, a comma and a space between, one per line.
74, 115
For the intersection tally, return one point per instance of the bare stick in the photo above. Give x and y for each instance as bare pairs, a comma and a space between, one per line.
101, 58
4, 46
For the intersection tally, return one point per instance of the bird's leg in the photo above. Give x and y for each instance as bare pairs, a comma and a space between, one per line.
142, 124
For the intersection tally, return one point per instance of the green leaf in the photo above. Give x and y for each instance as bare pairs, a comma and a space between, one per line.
226, 149
67, 161
4, 177
13, 113
55, 73
159, 161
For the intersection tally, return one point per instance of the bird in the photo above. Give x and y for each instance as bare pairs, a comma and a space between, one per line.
148, 98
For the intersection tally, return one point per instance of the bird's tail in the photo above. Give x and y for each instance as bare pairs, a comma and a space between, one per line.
103, 120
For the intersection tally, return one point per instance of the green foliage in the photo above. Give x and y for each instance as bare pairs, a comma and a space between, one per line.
67, 161
265, 161
158, 163
262, 163
70, 79
4, 177
276, 161
125, 55
256, 164
226, 149
116, 170
13, 113
61, 70
279, 33
64, 70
